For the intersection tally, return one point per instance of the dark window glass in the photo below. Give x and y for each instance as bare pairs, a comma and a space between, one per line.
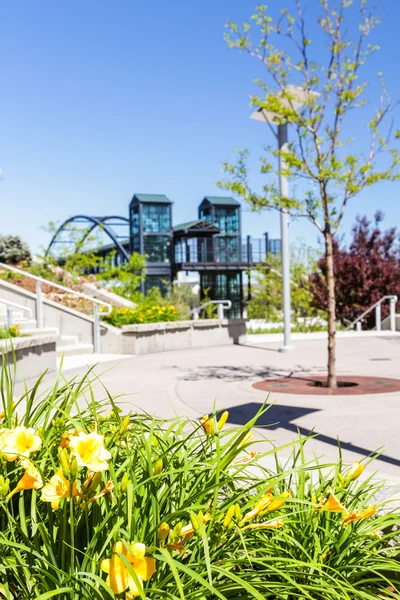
224, 286
227, 249
227, 219
157, 247
206, 214
156, 218
135, 229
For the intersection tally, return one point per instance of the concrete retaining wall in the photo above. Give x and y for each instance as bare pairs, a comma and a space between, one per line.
178, 335
67, 320
34, 355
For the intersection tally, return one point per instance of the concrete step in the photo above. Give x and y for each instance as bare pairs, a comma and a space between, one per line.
72, 349
43, 331
68, 340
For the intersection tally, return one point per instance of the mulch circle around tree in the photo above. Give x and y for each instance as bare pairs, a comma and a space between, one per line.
315, 385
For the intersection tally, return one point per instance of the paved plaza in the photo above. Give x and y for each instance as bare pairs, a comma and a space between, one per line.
192, 382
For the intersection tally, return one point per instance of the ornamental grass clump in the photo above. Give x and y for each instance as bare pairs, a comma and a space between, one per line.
95, 504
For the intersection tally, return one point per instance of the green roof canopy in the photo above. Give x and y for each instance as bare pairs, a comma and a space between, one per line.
152, 198
222, 201
197, 226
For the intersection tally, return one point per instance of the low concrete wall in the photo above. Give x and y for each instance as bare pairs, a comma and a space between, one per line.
34, 355
178, 335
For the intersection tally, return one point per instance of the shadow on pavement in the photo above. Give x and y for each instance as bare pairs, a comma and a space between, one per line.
279, 416
231, 373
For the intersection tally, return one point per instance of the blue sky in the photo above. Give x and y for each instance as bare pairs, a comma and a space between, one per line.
102, 99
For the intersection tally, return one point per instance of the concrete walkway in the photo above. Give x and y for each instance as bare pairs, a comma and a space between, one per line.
191, 382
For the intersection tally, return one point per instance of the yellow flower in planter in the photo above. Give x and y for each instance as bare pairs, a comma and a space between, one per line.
119, 578
19, 442
332, 504
58, 487
208, 424
88, 448
266, 504
31, 480
357, 516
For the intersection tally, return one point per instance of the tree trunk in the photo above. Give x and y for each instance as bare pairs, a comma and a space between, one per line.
330, 283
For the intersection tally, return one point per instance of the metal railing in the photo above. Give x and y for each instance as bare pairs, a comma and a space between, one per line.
378, 314
9, 312
222, 305
39, 302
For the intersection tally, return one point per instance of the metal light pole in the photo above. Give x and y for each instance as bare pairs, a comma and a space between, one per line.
285, 247
299, 96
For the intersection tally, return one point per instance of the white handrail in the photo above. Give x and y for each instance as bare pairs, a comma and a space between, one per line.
57, 285
377, 306
222, 305
9, 315
39, 302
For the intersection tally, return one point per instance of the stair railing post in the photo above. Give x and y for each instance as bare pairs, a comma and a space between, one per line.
9, 317
220, 312
378, 317
39, 305
392, 314
96, 329
358, 326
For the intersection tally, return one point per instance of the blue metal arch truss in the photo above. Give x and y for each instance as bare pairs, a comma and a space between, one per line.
95, 222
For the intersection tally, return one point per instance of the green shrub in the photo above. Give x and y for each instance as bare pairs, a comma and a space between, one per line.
13, 250
144, 313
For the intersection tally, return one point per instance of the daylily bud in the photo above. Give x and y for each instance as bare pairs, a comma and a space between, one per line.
74, 468
196, 520
4, 486
158, 467
249, 436
124, 482
63, 457
163, 532
223, 420
228, 517
177, 530
95, 481
125, 423
354, 472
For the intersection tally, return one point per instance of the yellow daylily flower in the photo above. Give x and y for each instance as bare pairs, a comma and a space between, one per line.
58, 487
357, 516
377, 533
354, 472
89, 450
19, 442
208, 424
272, 524
332, 504
267, 504
119, 578
31, 479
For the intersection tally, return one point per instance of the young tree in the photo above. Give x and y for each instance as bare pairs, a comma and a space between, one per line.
365, 271
328, 172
